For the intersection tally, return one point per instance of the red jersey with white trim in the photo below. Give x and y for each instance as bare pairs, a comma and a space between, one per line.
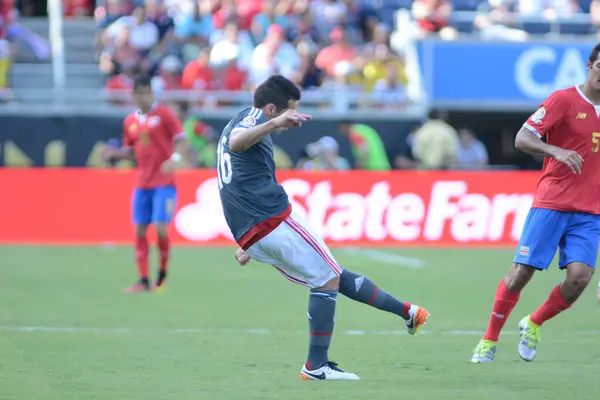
570, 121
151, 136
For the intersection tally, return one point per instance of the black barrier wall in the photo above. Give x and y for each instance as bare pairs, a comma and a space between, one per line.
31, 139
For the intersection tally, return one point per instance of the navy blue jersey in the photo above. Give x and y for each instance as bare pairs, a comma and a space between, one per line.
249, 191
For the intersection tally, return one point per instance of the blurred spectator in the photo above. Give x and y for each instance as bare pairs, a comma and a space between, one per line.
119, 85
5, 64
379, 66
77, 8
391, 90
233, 78
109, 11
435, 143
193, 30
121, 57
308, 76
268, 17
497, 21
169, 77
328, 14
144, 34
340, 50
432, 18
471, 152
273, 56
202, 139
105, 14
550, 9
231, 44
324, 156
367, 147
595, 13
198, 74
304, 30
381, 37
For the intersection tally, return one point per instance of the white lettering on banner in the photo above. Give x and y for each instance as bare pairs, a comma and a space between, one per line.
571, 70
203, 220
404, 217
452, 213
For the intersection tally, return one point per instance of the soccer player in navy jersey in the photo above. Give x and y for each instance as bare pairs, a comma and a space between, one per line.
261, 219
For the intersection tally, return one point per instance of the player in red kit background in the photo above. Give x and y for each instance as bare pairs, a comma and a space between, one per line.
565, 212
154, 136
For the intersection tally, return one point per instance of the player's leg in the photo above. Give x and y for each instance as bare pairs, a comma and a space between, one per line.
578, 253
362, 289
540, 237
164, 200
142, 216
301, 259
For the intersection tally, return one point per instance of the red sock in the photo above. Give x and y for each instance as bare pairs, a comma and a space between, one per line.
141, 256
553, 306
504, 303
164, 247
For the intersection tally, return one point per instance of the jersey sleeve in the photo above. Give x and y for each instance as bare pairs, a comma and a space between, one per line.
253, 117
548, 115
172, 124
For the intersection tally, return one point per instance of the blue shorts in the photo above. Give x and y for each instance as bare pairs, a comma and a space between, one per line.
575, 234
154, 205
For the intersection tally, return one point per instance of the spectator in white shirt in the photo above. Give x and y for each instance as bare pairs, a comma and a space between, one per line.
549, 8
273, 55
471, 154
144, 34
229, 45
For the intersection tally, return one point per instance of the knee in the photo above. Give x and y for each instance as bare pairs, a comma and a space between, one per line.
162, 230
580, 280
141, 230
517, 277
332, 284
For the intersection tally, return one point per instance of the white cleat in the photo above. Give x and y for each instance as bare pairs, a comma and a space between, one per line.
529, 338
418, 318
328, 372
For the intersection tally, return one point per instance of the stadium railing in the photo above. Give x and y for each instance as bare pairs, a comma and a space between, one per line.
576, 24
321, 104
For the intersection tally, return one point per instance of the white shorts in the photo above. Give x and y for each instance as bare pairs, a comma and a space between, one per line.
297, 252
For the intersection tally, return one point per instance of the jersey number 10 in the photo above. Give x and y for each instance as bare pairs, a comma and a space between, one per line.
224, 171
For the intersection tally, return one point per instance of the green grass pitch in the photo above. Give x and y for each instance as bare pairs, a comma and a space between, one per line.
221, 331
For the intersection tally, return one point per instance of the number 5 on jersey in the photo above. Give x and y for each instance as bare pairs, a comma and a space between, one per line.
596, 140
224, 171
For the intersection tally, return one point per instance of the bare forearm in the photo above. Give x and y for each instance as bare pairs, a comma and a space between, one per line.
529, 143
243, 139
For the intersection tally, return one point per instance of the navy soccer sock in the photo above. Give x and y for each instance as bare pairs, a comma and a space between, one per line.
321, 312
361, 289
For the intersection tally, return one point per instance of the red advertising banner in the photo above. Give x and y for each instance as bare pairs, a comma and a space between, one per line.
92, 206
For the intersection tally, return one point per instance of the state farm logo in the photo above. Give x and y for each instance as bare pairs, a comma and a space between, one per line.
451, 214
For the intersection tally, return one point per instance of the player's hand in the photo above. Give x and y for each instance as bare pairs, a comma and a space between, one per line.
290, 118
242, 257
168, 167
570, 158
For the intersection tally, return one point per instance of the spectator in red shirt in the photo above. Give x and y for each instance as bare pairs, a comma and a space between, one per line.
340, 50
234, 79
432, 17
198, 74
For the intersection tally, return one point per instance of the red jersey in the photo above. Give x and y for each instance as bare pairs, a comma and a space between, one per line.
151, 136
569, 121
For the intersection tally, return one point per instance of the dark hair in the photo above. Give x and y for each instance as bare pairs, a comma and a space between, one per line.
594, 54
141, 81
276, 90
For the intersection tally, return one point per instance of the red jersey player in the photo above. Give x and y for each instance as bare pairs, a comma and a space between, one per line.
565, 212
152, 133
